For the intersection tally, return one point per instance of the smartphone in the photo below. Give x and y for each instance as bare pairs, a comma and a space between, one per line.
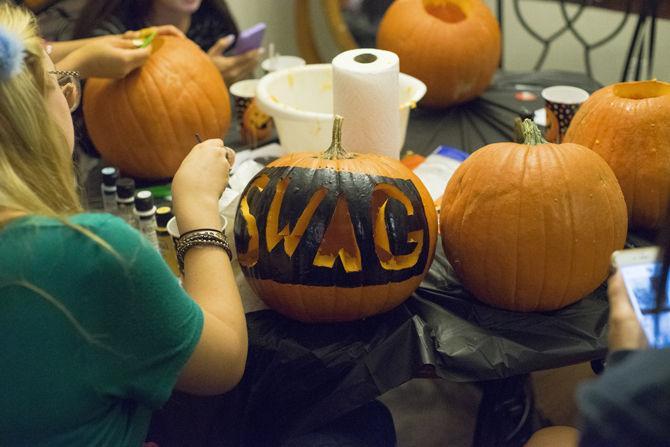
641, 272
249, 39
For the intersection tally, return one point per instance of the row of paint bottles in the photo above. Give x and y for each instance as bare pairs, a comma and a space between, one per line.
137, 209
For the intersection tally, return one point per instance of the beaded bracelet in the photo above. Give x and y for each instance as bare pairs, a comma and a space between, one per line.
199, 238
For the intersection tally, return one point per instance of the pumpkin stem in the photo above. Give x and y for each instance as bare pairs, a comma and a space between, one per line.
336, 151
530, 132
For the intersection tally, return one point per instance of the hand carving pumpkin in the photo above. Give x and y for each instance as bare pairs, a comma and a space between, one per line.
335, 236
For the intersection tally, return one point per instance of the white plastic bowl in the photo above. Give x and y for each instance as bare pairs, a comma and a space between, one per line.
300, 101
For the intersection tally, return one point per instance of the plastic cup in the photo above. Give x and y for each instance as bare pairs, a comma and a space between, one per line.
277, 63
561, 104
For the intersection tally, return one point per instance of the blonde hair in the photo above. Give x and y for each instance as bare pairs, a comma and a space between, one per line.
36, 169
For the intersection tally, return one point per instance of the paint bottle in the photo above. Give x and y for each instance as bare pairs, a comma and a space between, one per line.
165, 242
125, 200
108, 188
145, 215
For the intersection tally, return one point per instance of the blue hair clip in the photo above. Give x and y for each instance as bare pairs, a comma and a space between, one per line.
11, 54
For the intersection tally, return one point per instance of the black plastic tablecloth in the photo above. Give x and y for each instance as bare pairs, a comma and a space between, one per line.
300, 376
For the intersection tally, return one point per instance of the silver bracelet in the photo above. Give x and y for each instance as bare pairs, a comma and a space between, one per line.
199, 238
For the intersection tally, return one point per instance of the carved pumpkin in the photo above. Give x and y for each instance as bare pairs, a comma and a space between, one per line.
453, 46
256, 125
531, 227
145, 123
335, 236
628, 124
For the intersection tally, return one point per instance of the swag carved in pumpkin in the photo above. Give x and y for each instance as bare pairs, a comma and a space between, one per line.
335, 240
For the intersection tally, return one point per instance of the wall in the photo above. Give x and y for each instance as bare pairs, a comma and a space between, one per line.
277, 14
520, 50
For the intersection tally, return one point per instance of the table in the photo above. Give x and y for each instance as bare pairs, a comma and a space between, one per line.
300, 376
489, 118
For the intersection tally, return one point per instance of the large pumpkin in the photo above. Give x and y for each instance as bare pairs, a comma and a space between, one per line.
628, 124
335, 236
531, 227
453, 46
145, 123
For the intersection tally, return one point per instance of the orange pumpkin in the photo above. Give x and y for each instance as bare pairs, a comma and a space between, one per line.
531, 227
453, 46
145, 123
628, 124
335, 236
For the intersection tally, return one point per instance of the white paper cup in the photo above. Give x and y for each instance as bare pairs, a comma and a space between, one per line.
561, 104
257, 127
281, 63
243, 93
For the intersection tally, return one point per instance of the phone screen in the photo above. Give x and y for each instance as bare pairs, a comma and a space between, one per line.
641, 283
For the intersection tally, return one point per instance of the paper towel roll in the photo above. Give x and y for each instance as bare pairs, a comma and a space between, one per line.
366, 94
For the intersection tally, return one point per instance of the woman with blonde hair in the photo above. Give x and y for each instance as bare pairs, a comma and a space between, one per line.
95, 329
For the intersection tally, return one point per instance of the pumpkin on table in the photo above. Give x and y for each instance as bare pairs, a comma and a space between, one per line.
453, 46
145, 123
531, 227
256, 125
628, 124
335, 236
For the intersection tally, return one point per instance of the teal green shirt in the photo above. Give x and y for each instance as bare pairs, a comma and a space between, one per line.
92, 337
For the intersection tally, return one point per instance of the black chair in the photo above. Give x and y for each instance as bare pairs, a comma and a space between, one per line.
639, 60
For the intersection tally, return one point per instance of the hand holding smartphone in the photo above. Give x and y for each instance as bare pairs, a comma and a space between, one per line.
641, 271
249, 39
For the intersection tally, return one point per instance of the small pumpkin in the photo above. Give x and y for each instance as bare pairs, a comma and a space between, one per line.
335, 236
256, 125
628, 125
531, 227
453, 46
145, 123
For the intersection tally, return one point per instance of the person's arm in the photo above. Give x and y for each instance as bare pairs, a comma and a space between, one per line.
629, 404
214, 367
112, 56
59, 50
103, 57
608, 404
